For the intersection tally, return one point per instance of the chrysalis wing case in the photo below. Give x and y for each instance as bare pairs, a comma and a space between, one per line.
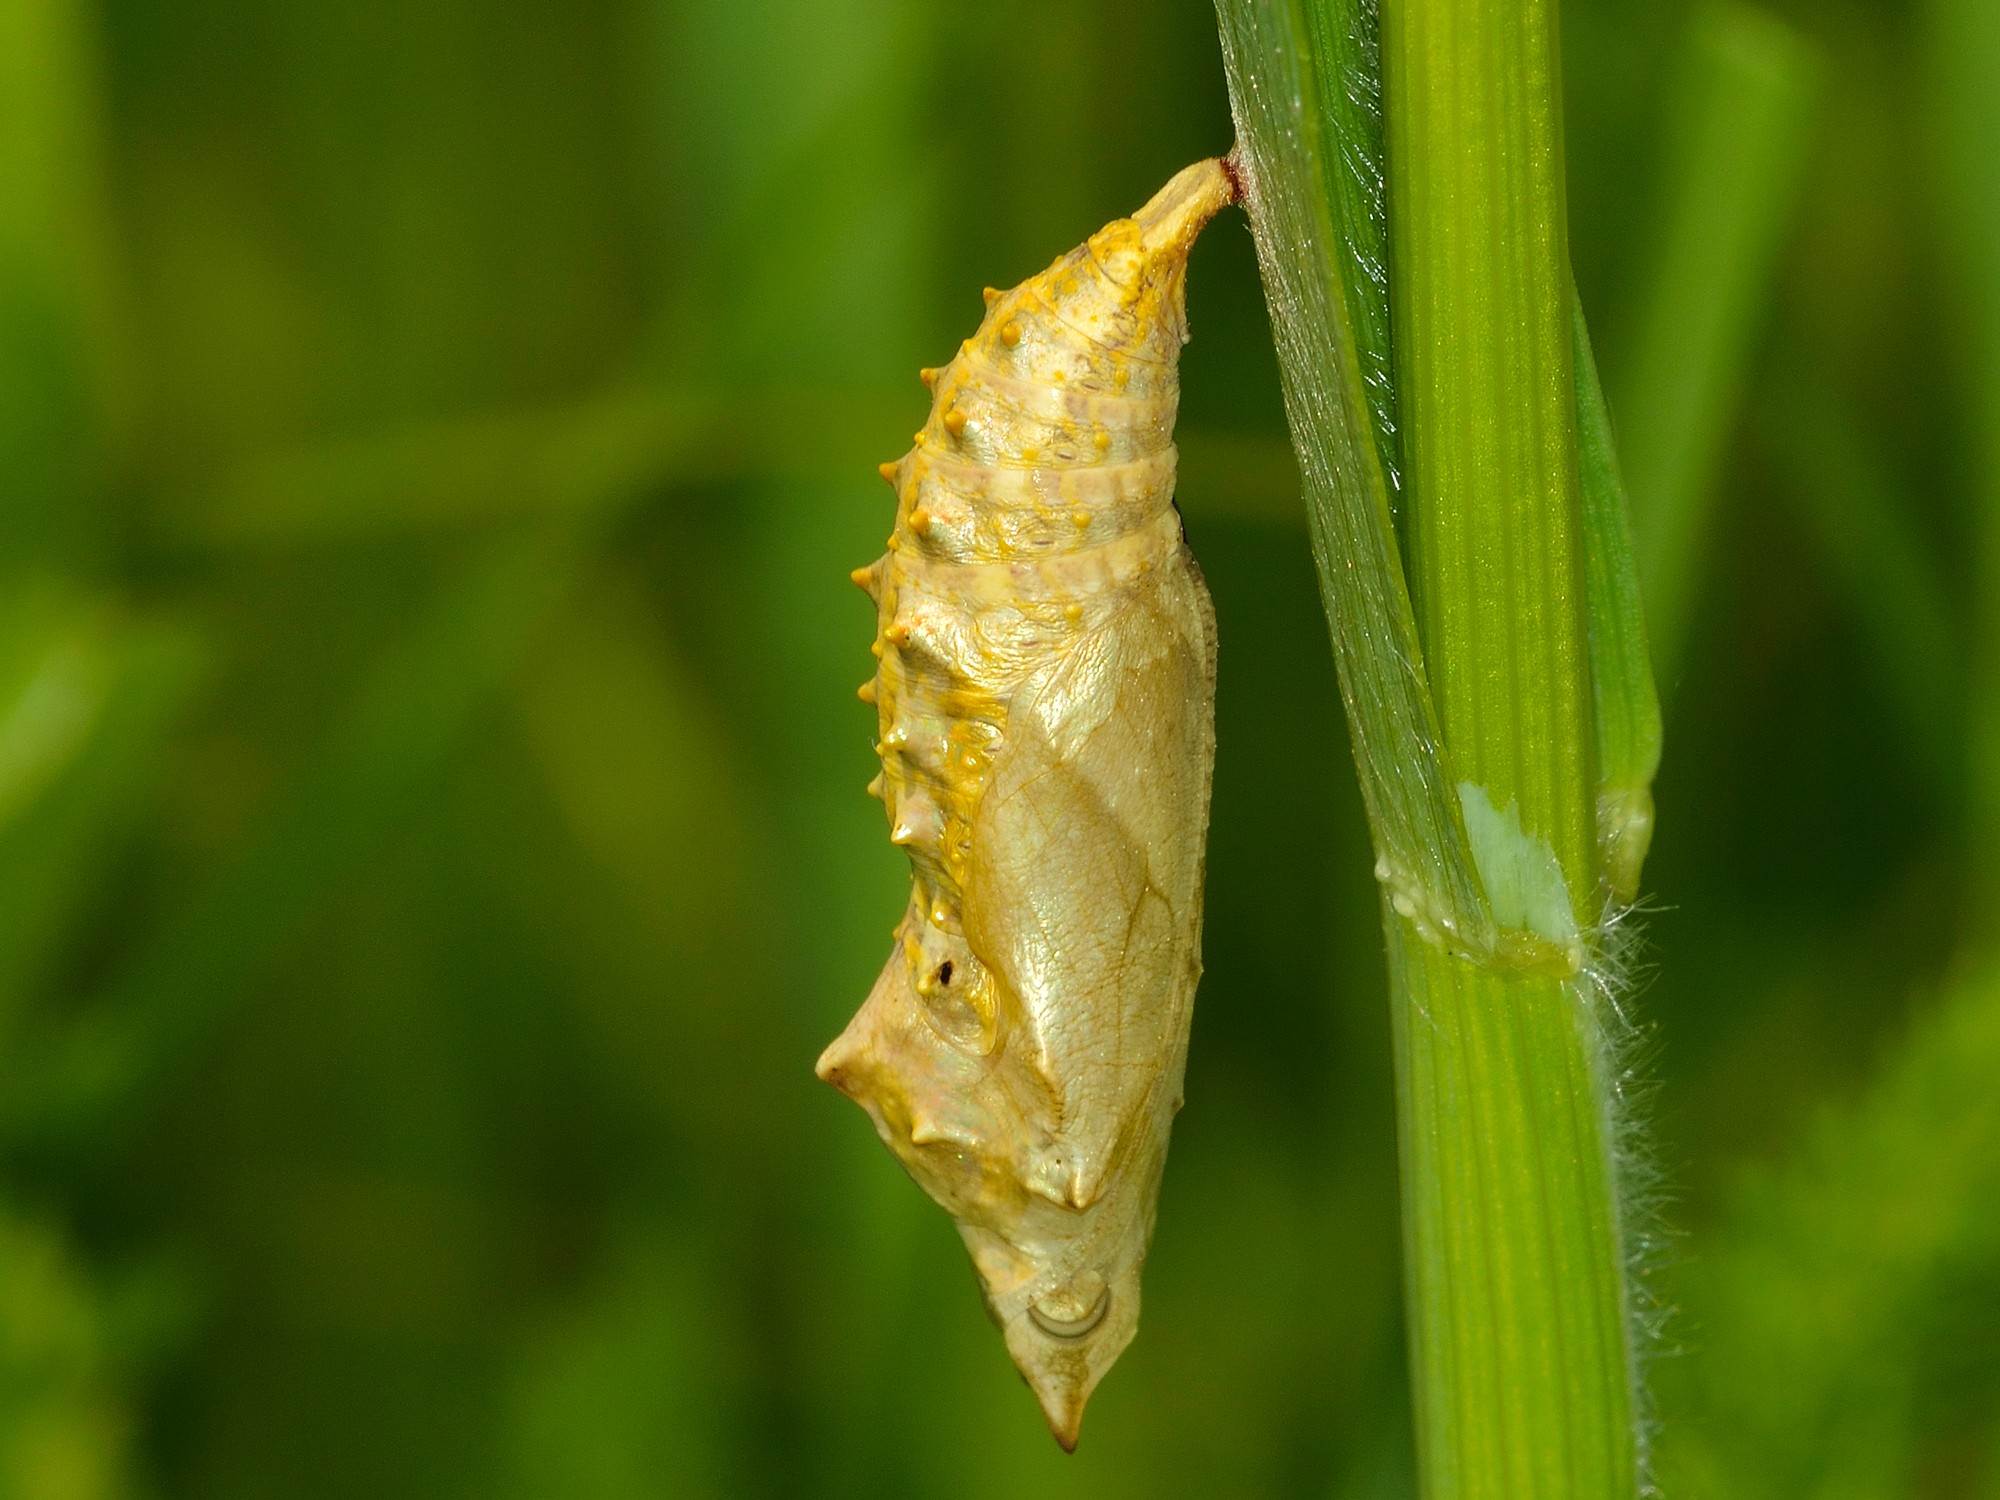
1046, 695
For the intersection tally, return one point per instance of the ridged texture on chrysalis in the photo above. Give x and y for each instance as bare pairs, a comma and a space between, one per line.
1046, 695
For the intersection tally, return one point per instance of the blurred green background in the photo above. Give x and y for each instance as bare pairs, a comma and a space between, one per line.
433, 440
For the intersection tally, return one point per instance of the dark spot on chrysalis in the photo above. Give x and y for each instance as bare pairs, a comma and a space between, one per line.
944, 972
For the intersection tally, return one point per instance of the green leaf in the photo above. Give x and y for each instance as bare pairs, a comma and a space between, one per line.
1624, 698
1288, 158
1736, 143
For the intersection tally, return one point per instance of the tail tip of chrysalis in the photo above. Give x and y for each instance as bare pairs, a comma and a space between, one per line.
1063, 1407
1065, 1341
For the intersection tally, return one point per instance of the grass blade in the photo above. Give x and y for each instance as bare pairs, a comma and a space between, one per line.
1288, 159
1736, 149
1625, 700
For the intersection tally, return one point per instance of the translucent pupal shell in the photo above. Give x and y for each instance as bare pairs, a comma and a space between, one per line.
1046, 697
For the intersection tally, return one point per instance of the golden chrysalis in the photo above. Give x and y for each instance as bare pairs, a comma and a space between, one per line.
1046, 696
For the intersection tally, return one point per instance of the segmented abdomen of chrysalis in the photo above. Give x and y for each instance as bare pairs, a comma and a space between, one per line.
1046, 698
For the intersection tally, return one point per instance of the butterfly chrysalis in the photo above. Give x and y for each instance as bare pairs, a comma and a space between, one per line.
1046, 696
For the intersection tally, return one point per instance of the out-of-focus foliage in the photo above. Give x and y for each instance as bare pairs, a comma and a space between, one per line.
63, 1429
433, 440
1851, 1317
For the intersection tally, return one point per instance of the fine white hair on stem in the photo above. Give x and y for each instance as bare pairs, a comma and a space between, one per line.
1623, 1045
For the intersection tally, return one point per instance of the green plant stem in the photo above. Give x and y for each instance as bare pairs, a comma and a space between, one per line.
1516, 1279
1468, 686
1296, 141
1519, 1365
1482, 310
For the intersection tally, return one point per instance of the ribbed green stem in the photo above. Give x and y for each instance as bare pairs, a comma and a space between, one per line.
1517, 1318
1481, 303
1523, 1383
1468, 684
